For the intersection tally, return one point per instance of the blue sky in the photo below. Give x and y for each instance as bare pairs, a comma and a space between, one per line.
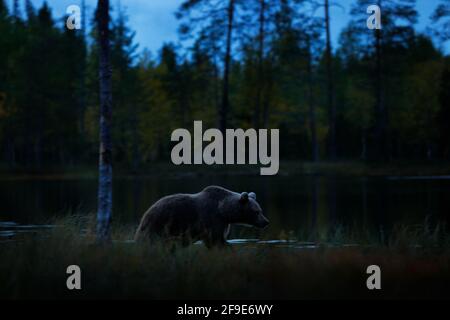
155, 23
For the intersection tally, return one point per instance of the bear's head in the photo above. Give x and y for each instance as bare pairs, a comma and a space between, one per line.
249, 212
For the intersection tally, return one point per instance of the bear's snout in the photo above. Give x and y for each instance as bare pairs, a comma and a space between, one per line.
262, 221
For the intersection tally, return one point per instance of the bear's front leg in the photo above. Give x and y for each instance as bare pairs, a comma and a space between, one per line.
216, 239
218, 243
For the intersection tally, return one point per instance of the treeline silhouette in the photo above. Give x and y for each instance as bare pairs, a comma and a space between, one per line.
380, 95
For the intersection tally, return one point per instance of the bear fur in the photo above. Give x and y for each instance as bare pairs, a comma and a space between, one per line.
206, 216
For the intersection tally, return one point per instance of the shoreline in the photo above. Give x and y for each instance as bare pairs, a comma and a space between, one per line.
395, 170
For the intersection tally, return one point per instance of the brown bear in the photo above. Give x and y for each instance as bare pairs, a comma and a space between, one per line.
206, 216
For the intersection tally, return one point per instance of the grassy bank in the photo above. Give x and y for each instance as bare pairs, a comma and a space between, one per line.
36, 268
340, 168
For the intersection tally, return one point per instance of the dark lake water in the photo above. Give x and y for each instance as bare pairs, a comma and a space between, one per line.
292, 203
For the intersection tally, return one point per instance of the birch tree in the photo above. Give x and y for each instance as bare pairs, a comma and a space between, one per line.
104, 213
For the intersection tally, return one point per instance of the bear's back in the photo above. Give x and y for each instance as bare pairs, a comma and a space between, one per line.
215, 193
180, 212
176, 211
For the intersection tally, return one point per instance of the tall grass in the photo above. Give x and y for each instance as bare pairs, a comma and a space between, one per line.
36, 267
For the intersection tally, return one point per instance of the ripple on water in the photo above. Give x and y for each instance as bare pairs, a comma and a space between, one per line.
10, 230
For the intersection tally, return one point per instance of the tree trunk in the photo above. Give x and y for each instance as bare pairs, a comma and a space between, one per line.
16, 10
314, 207
363, 144
226, 70
364, 202
429, 151
260, 79
312, 109
429, 139
82, 100
267, 101
381, 116
10, 151
136, 155
38, 143
216, 83
330, 89
104, 213
332, 197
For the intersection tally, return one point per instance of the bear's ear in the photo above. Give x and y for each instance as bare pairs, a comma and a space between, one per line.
252, 195
244, 197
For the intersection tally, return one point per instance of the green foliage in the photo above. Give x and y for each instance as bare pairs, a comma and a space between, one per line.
49, 83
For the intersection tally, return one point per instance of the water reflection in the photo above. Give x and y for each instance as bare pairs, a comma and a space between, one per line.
314, 205
11, 231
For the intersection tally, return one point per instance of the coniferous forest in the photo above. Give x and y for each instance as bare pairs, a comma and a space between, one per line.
360, 206
380, 95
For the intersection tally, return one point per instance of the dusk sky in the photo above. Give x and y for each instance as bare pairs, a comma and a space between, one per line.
155, 23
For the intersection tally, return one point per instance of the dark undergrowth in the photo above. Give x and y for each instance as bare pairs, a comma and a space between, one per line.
414, 262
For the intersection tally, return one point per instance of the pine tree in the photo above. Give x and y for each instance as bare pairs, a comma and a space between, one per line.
441, 20
126, 90
215, 20
330, 86
397, 19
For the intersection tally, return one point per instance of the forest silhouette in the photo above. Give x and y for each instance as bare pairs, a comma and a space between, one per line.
380, 95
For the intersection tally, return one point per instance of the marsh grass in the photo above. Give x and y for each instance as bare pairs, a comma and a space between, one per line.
415, 262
